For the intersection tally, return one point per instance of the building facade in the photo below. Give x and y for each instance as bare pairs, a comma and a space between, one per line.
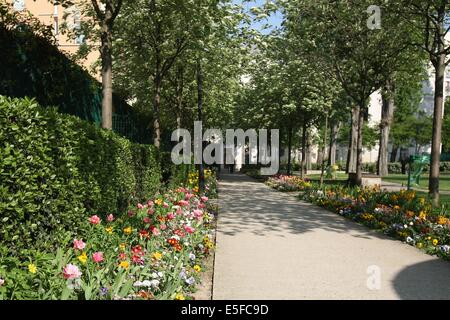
55, 16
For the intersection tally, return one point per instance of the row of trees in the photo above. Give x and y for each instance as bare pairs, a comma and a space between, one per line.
331, 56
318, 70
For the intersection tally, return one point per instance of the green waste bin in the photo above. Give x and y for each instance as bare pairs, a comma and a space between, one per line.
416, 165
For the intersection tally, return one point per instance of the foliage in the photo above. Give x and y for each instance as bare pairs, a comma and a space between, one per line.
154, 252
55, 168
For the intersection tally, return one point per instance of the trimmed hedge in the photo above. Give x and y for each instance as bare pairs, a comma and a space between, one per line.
56, 170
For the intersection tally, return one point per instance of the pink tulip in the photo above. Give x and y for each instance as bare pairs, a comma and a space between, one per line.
189, 229
150, 211
130, 213
170, 216
140, 206
165, 205
163, 227
78, 244
98, 257
147, 220
150, 203
183, 203
201, 206
179, 211
198, 213
71, 272
204, 199
110, 218
156, 232
94, 220
188, 196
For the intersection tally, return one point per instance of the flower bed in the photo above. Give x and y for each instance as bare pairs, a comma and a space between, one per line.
210, 182
154, 252
288, 183
403, 215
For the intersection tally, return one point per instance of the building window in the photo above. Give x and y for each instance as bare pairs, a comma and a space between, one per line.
19, 5
55, 26
77, 27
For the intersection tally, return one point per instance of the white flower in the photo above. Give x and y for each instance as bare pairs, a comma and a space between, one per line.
138, 284
405, 226
411, 223
190, 281
409, 240
154, 283
160, 274
146, 283
191, 256
2, 282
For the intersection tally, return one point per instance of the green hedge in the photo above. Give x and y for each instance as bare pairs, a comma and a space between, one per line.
56, 170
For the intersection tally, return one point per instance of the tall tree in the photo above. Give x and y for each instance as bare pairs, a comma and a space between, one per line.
432, 20
105, 17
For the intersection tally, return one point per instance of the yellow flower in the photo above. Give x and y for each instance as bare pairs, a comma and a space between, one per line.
109, 230
83, 258
127, 230
397, 207
442, 220
157, 256
32, 268
159, 202
180, 296
435, 242
421, 201
197, 268
422, 215
124, 265
122, 246
420, 245
428, 238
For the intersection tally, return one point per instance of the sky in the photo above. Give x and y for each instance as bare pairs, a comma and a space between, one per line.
274, 19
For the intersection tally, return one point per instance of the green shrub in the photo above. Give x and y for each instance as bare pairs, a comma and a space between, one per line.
57, 169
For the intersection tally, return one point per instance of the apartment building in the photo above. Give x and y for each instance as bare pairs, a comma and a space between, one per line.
53, 15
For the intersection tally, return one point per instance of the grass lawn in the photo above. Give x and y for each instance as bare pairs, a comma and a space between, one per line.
403, 179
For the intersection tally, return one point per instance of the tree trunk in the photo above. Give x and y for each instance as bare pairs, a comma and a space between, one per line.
201, 173
308, 153
437, 129
404, 159
179, 95
353, 143
289, 166
333, 143
156, 116
106, 56
304, 143
355, 178
394, 153
387, 113
323, 150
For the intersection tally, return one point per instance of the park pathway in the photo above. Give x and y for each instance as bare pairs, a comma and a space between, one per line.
272, 246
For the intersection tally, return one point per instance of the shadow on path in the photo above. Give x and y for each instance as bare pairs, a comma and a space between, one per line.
253, 206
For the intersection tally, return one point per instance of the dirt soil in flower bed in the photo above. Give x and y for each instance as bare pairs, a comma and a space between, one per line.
205, 288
